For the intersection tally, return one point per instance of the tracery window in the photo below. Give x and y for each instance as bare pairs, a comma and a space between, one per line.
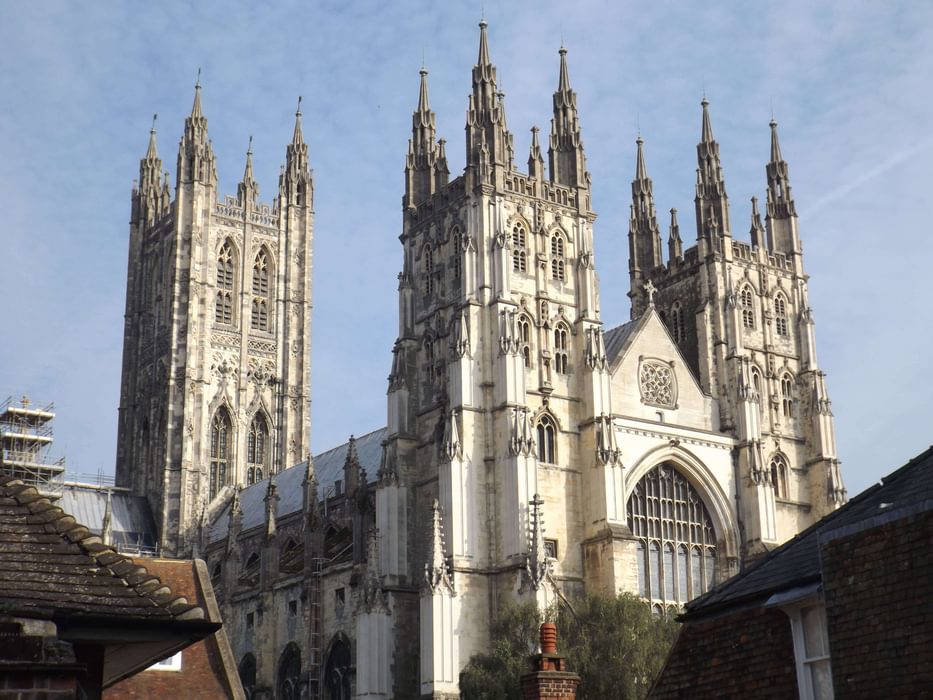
337, 671
747, 300
428, 271
676, 540
289, 676
257, 450
221, 441
247, 673
456, 261
524, 338
519, 252
757, 384
787, 395
780, 314
560, 348
547, 438
259, 319
657, 384
226, 285
557, 257
677, 323
779, 475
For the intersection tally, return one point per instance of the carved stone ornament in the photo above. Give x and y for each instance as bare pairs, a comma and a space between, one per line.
657, 383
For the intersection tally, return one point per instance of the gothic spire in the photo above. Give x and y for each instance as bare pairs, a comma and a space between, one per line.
485, 113
712, 208
148, 193
195, 154
295, 182
152, 153
352, 467
426, 164
535, 160
644, 235
780, 199
566, 156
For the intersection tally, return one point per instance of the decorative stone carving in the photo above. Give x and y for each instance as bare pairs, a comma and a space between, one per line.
657, 383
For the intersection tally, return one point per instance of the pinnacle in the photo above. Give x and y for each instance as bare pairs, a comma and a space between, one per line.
775, 144
707, 133
423, 105
248, 173
563, 84
196, 112
298, 137
641, 170
152, 153
483, 59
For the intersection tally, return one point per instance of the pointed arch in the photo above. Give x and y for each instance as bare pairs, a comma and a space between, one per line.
678, 328
747, 304
226, 269
247, 672
263, 275
561, 348
221, 446
519, 238
546, 433
288, 676
558, 255
779, 474
337, 666
524, 336
787, 395
456, 252
258, 449
780, 314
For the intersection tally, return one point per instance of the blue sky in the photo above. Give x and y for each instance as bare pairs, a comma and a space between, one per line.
849, 83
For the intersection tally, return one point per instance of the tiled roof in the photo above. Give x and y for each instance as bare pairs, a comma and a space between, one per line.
797, 561
328, 468
52, 567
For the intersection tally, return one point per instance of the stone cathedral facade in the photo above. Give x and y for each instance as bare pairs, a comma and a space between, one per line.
531, 451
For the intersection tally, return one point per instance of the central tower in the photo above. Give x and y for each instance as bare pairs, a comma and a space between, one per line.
498, 303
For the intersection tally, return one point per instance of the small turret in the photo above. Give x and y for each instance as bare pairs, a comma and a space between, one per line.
535, 160
712, 203
149, 195
644, 236
195, 153
352, 468
757, 231
566, 156
247, 191
271, 501
675, 246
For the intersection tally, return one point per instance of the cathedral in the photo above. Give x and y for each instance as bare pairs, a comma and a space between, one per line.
531, 452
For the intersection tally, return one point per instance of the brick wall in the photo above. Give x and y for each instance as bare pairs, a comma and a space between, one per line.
550, 679
38, 684
749, 654
878, 587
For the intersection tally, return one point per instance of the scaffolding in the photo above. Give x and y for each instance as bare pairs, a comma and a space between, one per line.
25, 439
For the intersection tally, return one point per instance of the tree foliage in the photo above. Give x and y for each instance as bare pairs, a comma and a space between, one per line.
614, 643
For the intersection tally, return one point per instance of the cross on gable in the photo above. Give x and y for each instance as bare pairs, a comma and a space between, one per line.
651, 289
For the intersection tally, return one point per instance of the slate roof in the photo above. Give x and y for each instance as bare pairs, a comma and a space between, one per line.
52, 567
615, 338
796, 563
131, 520
328, 468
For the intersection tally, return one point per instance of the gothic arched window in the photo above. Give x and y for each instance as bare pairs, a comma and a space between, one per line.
257, 450
519, 252
337, 671
779, 475
787, 395
747, 300
677, 323
456, 258
224, 310
262, 271
428, 271
557, 257
524, 338
561, 334
547, 440
780, 314
221, 442
247, 672
289, 675
676, 540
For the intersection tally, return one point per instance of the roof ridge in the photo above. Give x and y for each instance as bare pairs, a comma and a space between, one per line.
56, 521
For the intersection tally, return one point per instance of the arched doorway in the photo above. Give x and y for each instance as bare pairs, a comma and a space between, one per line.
247, 673
337, 671
289, 675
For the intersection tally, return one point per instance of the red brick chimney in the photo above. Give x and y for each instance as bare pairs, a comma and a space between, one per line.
550, 680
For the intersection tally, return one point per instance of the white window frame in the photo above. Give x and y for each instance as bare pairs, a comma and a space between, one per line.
793, 603
172, 663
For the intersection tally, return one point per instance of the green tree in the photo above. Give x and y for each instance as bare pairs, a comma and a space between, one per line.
514, 640
615, 643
